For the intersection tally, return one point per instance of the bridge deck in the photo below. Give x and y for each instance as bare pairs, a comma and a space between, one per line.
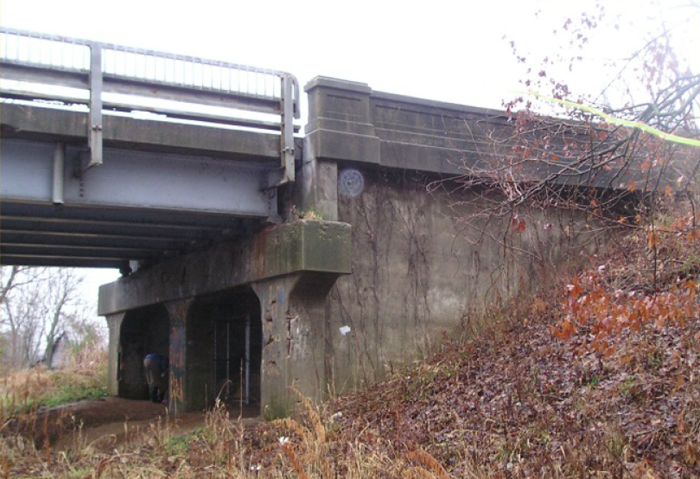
163, 188
86, 181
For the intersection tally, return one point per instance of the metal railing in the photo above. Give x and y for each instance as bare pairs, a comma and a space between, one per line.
132, 76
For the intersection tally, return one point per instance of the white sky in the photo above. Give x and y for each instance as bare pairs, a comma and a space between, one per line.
439, 49
444, 50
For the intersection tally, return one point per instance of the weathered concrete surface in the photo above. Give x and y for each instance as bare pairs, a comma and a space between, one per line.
414, 273
349, 122
291, 267
301, 246
417, 273
114, 323
177, 354
21, 121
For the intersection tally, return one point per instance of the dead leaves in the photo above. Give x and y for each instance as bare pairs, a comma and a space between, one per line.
518, 224
563, 330
606, 314
653, 239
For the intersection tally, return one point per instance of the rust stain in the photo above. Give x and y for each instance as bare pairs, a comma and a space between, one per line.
259, 251
177, 362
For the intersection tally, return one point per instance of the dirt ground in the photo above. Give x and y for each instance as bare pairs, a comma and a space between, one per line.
101, 423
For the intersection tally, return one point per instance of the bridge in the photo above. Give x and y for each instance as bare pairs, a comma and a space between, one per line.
255, 257
112, 190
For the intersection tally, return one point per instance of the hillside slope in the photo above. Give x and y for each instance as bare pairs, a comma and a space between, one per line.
597, 378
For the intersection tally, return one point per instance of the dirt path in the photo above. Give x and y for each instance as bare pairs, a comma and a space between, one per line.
102, 423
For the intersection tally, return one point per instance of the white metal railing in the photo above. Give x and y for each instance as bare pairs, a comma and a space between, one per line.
132, 76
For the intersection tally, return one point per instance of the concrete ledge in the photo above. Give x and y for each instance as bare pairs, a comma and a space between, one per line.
342, 146
337, 83
348, 119
315, 247
21, 121
312, 246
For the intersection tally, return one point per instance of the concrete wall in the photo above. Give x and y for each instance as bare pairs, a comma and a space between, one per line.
381, 163
416, 272
383, 277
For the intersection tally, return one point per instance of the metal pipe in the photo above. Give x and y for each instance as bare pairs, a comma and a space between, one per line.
228, 359
247, 358
59, 161
215, 373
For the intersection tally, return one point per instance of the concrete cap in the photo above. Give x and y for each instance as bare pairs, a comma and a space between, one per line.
328, 82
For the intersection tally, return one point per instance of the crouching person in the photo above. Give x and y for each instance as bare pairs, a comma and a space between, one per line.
156, 367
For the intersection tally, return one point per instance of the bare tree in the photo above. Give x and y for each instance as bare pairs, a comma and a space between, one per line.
635, 140
64, 304
38, 304
18, 327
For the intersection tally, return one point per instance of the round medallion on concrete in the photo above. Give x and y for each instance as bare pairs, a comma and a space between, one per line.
350, 182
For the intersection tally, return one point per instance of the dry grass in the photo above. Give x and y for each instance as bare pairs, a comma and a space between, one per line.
23, 392
223, 448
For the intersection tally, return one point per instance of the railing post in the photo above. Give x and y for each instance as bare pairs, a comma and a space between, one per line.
287, 136
95, 106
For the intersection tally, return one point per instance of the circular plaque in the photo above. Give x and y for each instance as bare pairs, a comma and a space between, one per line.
350, 182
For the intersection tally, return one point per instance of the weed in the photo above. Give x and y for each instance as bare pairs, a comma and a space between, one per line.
179, 445
308, 214
655, 360
691, 265
594, 381
629, 389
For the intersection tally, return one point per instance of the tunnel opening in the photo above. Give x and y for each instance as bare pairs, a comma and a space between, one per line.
225, 351
143, 331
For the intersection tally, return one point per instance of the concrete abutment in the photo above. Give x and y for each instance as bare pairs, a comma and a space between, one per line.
300, 313
243, 323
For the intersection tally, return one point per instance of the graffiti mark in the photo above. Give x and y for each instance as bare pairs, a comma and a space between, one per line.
178, 343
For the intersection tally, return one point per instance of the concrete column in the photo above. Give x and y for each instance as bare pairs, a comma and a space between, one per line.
177, 397
275, 374
279, 263
309, 346
340, 128
293, 317
114, 323
317, 189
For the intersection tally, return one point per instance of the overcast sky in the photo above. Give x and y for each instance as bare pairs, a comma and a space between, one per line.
445, 50
439, 49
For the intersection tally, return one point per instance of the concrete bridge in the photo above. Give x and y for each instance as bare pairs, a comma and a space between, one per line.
256, 259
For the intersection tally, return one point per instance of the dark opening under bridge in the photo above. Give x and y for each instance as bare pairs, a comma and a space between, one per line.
258, 259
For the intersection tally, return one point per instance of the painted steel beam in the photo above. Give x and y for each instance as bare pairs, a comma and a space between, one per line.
111, 229
155, 244
133, 179
62, 261
136, 206
183, 220
78, 251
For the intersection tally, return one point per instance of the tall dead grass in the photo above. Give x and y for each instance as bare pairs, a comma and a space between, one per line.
304, 447
23, 392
